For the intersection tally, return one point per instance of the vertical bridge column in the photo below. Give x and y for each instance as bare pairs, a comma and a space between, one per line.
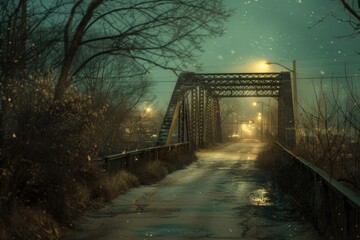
208, 114
202, 118
286, 126
183, 122
205, 118
194, 119
217, 121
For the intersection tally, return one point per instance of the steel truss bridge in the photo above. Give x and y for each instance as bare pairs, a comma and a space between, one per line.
194, 107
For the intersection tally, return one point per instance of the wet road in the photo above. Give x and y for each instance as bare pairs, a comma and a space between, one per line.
221, 196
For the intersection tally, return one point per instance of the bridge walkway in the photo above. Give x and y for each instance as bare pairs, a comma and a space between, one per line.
223, 195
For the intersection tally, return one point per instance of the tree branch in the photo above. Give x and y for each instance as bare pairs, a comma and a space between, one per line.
350, 9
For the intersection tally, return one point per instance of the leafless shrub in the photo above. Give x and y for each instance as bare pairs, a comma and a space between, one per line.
45, 158
59, 102
152, 171
112, 185
156, 169
329, 132
38, 224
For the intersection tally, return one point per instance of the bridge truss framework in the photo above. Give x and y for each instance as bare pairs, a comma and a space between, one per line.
195, 110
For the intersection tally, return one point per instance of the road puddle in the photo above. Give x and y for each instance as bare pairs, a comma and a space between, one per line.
259, 197
173, 229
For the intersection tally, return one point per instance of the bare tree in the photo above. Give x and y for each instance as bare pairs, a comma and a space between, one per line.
25, 41
330, 132
352, 15
13, 36
322, 131
159, 33
70, 72
139, 127
352, 7
114, 86
66, 38
228, 108
351, 115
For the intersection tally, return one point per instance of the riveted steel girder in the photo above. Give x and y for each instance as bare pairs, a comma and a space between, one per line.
204, 113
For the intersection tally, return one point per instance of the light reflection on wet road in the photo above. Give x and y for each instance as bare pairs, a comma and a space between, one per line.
221, 196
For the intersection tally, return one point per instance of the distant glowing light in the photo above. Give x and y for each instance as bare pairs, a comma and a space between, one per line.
263, 66
255, 65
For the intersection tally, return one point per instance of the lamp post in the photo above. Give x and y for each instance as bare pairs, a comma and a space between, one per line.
262, 116
295, 97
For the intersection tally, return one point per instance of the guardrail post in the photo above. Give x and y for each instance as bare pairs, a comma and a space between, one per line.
127, 163
106, 163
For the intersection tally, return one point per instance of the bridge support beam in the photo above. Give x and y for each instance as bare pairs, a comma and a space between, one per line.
183, 122
194, 105
209, 126
194, 119
204, 118
217, 121
286, 125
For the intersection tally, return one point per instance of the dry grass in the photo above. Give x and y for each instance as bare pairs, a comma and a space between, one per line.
50, 198
151, 172
111, 186
31, 223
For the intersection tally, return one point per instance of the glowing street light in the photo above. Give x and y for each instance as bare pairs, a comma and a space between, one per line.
264, 66
259, 65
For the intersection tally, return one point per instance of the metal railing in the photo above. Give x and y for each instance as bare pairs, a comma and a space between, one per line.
333, 208
131, 159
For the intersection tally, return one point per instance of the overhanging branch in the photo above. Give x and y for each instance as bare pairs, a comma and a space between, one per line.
351, 10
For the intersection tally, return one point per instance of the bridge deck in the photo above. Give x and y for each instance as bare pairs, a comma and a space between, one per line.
221, 196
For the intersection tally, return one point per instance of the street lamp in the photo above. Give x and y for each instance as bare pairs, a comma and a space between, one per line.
295, 97
291, 70
148, 109
261, 116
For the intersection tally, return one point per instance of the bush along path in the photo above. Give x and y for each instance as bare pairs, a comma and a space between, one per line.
39, 200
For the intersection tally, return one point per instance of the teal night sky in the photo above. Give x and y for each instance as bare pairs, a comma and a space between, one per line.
308, 31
